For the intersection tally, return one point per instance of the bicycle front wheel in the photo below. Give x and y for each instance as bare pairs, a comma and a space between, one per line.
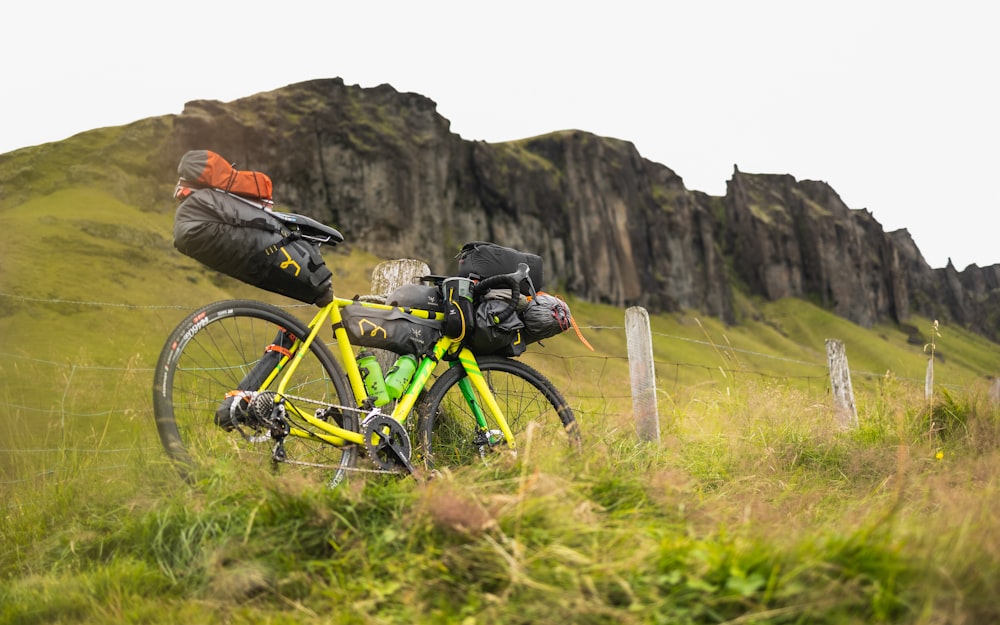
449, 433
216, 350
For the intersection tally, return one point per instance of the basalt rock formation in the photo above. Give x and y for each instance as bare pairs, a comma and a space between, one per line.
384, 168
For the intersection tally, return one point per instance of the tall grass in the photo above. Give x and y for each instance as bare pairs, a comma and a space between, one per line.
752, 508
766, 515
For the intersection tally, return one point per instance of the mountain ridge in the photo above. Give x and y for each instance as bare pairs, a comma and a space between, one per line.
612, 226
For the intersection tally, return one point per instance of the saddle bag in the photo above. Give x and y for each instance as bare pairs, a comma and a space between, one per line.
390, 329
239, 238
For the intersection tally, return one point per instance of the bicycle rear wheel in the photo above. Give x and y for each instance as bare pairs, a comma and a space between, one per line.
213, 352
447, 431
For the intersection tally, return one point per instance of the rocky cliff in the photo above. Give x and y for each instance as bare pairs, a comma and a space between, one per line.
384, 168
612, 226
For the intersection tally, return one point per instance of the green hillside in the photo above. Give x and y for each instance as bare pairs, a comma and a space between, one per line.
751, 509
90, 282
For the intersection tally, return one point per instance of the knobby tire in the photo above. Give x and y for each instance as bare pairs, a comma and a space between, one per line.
206, 356
446, 428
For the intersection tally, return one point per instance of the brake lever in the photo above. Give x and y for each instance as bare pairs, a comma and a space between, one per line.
522, 274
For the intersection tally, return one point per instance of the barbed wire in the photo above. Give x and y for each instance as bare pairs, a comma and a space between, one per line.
727, 348
63, 469
63, 450
49, 300
619, 396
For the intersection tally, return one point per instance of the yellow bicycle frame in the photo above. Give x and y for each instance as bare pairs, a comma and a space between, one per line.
336, 435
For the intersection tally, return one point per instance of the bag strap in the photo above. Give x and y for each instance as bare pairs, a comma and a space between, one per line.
580, 334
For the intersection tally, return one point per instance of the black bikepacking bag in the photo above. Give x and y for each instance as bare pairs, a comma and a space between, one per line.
242, 240
390, 329
482, 259
504, 328
497, 328
419, 296
545, 317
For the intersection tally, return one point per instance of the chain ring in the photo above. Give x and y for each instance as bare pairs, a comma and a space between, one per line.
392, 450
348, 412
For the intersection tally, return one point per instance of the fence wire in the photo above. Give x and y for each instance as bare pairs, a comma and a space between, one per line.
56, 411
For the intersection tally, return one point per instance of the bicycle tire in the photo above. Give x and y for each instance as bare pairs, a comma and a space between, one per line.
447, 431
206, 356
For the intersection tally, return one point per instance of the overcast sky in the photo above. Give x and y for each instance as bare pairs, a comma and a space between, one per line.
895, 104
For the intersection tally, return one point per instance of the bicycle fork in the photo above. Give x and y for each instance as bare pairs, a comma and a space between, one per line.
475, 381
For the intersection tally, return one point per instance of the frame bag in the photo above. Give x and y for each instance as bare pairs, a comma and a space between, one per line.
390, 329
242, 240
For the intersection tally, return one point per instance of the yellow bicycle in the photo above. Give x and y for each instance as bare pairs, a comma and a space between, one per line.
247, 383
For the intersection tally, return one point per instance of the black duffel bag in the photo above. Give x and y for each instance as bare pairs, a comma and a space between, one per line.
482, 259
242, 240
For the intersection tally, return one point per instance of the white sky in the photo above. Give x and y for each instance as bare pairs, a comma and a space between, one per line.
894, 103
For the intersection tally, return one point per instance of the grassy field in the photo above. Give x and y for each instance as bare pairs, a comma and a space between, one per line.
752, 508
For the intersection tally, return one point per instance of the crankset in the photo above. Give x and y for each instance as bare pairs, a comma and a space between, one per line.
387, 443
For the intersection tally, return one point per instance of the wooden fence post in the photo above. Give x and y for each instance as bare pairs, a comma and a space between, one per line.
392, 274
840, 384
387, 277
640, 363
995, 391
929, 380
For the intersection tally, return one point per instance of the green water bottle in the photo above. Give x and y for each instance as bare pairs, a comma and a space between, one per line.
371, 375
399, 375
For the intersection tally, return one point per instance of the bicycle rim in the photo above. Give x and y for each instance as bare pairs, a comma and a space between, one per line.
206, 357
447, 430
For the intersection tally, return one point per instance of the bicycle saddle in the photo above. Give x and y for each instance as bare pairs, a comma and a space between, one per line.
310, 228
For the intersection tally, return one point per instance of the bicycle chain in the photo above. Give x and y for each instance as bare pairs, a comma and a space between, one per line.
361, 412
337, 467
309, 400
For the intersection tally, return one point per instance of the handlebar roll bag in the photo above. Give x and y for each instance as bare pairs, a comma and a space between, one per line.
498, 328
